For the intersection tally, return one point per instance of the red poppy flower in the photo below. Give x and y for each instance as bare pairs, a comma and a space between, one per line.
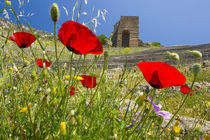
41, 63
23, 39
161, 75
88, 81
79, 39
185, 89
73, 90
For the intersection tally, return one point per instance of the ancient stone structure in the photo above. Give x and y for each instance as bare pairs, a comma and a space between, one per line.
126, 32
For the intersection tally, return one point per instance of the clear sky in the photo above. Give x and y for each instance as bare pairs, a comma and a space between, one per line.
170, 22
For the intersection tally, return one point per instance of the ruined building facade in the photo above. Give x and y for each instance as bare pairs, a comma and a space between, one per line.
126, 32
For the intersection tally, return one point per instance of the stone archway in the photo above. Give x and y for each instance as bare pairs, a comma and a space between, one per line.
125, 38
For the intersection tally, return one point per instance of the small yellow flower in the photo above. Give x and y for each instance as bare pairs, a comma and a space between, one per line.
67, 76
54, 89
168, 130
11, 69
78, 78
143, 97
18, 107
26, 61
123, 115
177, 122
8, 2
8, 41
36, 43
199, 126
150, 132
207, 137
23, 110
63, 128
29, 105
153, 124
177, 129
26, 88
208, 103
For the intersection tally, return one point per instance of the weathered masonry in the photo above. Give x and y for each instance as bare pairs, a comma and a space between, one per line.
126, 32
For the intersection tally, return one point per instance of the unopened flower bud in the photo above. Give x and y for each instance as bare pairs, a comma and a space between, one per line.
106, 54
174, 56
54, 12
196, 69
196, 54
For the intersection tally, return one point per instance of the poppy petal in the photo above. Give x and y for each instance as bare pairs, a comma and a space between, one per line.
184, 89
72, 91
88, 81
161, 75
79, 39
23, 39
41, 62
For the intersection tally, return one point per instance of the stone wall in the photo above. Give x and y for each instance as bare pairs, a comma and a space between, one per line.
126, 32
130, 60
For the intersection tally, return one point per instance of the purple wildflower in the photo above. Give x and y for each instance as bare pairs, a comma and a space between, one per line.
129, 126
164, 114
45, 81
14, 79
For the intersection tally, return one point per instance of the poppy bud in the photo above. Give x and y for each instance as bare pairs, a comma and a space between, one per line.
174, 56
106, 54
196, 69
196, 54
54, 12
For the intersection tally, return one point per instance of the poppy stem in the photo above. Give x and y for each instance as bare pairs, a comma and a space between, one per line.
56, 54
178, 109
181, 58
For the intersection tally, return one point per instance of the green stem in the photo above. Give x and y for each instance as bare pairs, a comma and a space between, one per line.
56, 54
3, 9
178, 109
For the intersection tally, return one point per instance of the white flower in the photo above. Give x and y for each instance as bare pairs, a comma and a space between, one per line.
48, 90
72, 112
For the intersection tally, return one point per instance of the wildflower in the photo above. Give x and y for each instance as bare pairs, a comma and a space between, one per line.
43, 62
185, 89
44, 81
115, 136
207, 137
72, 112
23, 110
23, 39
73, 90
150, 132
48, 90
168, 130
164, 114
161, 75
199, 126
177, 122
78, 78
129, 126
29, 105
26, 88
198, 87
8, 2
67, 76
177, 129
54, 89
63, 128
88, 81
79, 39
153, 125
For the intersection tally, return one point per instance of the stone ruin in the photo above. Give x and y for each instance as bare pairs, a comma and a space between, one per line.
126, 32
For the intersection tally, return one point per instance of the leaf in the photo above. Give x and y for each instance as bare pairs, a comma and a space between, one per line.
98, 13
76, 4
66, 11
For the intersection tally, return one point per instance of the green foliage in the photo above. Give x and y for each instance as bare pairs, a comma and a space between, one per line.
103, 39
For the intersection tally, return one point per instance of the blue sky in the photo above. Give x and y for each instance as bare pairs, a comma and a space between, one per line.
170, 22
